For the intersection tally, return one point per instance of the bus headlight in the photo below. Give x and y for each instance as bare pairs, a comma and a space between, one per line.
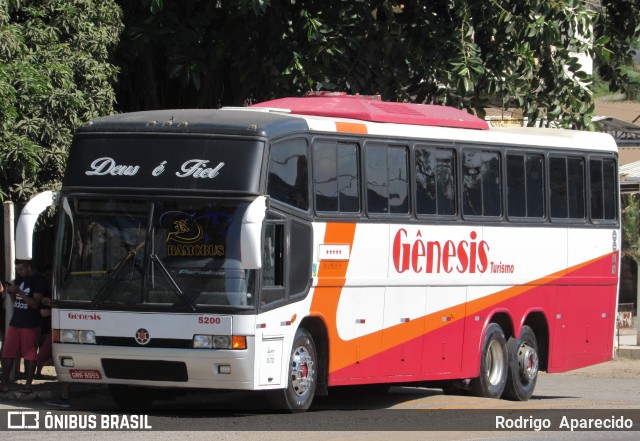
87, 337
221, 342
68, 336
203, 341
74, 336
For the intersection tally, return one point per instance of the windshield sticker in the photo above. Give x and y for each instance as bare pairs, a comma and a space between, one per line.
183, 233
107, 166
196, 168
187, 237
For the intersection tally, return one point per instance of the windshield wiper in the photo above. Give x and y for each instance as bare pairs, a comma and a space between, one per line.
172, 282
116, 269
112, 275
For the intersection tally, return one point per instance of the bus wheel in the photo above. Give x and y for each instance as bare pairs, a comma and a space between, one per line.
523, 366
131, 397
301, 384
493, 364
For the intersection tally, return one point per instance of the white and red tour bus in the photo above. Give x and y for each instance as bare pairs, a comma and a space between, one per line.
319, 241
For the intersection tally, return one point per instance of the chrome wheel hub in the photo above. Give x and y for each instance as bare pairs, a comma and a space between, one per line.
528, 362
495, 363
302, 371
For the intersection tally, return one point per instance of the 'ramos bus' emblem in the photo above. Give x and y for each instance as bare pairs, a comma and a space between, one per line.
142, 336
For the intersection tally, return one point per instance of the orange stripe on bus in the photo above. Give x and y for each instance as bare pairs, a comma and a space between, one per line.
343, 353
348, 127
488, 301
333, 274
331, 279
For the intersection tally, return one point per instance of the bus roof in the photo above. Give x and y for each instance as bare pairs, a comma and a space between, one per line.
317, 114
374, 110
197, 121
343, 113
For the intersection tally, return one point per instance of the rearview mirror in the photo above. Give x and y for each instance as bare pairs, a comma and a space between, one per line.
251, 234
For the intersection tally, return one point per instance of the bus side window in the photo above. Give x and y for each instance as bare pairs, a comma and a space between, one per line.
535, 186
398, 181
273, 263
300, 255
325, 176
377, 180
272, 267
576, 188
567, 184
558, 187
516, 188
610, 185
348, 178
435, 181
387, 182
597, 194
335, 177
602, 184
288, 173
525, 186
481, 183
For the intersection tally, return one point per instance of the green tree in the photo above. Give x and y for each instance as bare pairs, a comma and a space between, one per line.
197, 53
631, 227
54, 75
55, 70
468, 54
619, 21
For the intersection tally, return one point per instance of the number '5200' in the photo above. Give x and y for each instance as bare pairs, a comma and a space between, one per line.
209, 320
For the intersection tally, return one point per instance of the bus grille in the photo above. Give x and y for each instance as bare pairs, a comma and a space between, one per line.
150, 370
171, 343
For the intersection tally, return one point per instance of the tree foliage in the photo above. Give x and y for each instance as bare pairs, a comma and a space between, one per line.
630, 227
54, 75
55, 70
618, 21
468, 54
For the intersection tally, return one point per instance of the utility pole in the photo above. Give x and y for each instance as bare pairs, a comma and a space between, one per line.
9, 256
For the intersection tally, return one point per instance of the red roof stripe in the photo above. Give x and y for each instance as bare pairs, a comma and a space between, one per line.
367, 109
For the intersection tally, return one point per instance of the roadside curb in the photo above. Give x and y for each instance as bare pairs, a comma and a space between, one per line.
34, 396
620, 367
629, 352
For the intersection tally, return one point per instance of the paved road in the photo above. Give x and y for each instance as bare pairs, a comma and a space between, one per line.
611, 386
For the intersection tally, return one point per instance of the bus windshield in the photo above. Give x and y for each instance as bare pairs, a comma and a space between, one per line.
146, 253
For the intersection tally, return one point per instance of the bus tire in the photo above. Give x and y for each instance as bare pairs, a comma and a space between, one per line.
493, 364
523, 366
132, 397
302, 376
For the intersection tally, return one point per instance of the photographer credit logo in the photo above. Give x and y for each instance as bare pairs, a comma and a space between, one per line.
23, 419
32, 420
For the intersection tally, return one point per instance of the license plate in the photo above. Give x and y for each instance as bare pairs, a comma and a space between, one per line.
85, 374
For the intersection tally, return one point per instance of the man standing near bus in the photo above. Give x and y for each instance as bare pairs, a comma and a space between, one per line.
23, 335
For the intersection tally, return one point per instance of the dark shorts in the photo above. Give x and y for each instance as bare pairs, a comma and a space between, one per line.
22, 342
